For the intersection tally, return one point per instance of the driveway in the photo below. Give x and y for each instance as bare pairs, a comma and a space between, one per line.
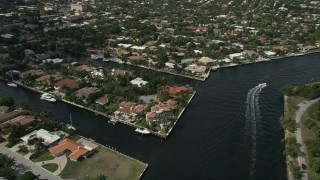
61, 161
24, 164
303, 106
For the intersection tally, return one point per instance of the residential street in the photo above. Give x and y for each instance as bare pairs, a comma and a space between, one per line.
24, 164
303, 106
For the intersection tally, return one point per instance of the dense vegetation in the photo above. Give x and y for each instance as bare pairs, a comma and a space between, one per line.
6, 101
307, 91
312, 124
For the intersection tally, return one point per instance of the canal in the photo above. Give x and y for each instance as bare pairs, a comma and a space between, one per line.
212, 139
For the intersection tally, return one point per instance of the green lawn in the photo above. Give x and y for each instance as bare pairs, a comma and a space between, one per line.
44, 157
306, 135
52, 167
75, 137
106, 162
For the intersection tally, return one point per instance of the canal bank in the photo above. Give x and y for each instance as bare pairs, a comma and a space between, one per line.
111, 118
205, 77
209, 140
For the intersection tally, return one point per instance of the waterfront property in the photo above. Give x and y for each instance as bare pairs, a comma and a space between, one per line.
106, 162
67, 145
48, 137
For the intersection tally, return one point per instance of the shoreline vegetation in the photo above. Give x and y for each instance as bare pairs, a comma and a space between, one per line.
293, 96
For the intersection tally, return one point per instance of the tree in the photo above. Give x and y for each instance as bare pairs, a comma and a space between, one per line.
316, 165
288, 123
164, 96
39, 146
23, 149
24, 105
27, 176
6, 101
102, 177
288, 89
6, 167
295, 170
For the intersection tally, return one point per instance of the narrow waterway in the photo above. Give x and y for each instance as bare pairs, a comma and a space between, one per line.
212, 139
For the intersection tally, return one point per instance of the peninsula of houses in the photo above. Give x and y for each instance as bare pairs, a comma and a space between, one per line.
56, 148
150, 104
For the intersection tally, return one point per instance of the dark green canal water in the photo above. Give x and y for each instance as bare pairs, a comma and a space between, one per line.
215, 138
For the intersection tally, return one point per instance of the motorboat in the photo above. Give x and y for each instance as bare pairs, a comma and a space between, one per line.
142, 131
48, 97
11, 84
94, 57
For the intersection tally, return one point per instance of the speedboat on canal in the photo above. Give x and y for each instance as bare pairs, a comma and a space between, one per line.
142, 131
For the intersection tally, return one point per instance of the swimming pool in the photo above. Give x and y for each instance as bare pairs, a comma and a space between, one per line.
83, 142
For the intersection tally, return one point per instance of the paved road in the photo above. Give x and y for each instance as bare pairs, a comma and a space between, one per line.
303, 106
24, 164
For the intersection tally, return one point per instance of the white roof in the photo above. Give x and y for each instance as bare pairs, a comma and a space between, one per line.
270, 53
7, 36
125, 45
234, 55
206, 60
139, 47
169, 64
48, 137
56, 60
138, 81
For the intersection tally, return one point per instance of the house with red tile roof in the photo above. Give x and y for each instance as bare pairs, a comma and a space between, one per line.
32, 72
128, 109
85, 92
103, 100
83, 67
67, 145
21, 120
67, 83
162, 109
175, 90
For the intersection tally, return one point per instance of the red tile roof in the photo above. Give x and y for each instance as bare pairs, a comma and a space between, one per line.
69, 83
175, 90
77, 150
83, 67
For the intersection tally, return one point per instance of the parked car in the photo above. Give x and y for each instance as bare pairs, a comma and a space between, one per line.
303, 166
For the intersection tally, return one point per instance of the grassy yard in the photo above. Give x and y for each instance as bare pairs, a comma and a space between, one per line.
44, 157
75, 137
52, 167
106, 162
307, 134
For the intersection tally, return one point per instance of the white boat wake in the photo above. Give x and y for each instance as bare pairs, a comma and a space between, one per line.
253, 116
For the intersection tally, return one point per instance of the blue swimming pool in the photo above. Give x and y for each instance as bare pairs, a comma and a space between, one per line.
83, 142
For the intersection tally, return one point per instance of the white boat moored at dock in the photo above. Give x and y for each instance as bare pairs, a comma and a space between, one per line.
48, 97
11, 84
142, 131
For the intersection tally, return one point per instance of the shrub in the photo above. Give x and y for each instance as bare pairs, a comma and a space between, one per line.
35, 156
90, 153
295, 170
1, 139
288, 124
315, 165
291, 147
